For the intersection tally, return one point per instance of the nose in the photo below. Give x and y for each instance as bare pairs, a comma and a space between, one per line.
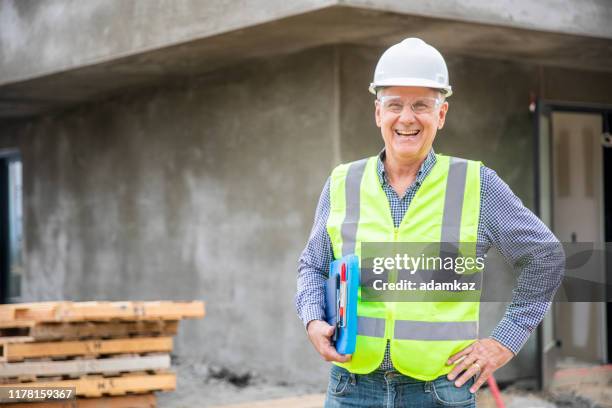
407, 115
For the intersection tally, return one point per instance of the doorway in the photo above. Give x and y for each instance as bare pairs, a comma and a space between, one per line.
11, 227
574, 198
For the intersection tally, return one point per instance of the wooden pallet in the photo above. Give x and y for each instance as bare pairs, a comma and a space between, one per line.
20, 331
20, 351
100, 311
97, 386
115, 365
126, 401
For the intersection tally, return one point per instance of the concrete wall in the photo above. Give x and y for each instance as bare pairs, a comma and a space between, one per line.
201, 191
206, 189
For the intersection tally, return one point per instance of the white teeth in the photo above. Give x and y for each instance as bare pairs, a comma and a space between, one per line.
407, 133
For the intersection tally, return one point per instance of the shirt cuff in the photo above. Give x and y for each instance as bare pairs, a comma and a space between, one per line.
510, 335
312, 312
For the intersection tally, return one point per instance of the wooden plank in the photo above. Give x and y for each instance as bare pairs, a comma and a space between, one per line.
16, 339
125, 401
20, 351
96, 386
85, 366
16, 323
101, 311
6, 313
79, 330
11, 312
304, 401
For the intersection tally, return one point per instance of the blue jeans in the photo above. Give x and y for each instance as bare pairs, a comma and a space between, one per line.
391, 389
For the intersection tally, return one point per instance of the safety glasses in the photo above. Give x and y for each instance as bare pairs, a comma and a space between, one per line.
396, 104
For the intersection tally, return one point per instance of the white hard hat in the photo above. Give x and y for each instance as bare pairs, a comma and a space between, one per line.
412, 62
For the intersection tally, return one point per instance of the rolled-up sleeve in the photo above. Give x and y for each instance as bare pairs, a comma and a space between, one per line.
313, 266
532, 249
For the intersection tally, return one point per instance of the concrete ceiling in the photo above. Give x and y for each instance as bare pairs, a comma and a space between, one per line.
330, 25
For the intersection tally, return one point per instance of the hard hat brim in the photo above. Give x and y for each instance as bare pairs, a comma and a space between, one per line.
426, 83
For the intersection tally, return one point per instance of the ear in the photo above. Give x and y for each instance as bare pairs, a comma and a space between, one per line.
442, 114
377, 113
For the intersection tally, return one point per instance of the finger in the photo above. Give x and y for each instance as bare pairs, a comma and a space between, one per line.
340, 358
469, 373
463, 365
456, 357
328, 351
331, 354
482, 378
344, 358
460, 359
329, 331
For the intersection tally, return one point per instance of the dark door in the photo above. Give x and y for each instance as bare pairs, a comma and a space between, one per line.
11, 242
4, 233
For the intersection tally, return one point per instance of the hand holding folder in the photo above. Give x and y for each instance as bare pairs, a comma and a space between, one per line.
341, 290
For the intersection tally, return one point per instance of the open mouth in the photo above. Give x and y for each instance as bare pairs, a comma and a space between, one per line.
407, 133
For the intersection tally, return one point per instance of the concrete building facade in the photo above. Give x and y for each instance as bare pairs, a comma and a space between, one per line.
176, 150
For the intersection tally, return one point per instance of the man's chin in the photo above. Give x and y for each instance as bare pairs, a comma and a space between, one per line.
408, 150
408, 154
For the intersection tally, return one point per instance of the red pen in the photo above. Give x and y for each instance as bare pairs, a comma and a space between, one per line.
343, 288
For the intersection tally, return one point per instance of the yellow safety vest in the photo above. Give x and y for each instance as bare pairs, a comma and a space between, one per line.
445, 209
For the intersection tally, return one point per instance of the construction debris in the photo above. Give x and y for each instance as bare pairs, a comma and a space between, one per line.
237, 379
102, 350
589, 386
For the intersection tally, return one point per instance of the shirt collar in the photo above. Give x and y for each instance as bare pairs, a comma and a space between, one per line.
424, 170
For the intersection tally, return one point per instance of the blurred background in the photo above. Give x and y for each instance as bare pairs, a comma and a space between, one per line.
176, 150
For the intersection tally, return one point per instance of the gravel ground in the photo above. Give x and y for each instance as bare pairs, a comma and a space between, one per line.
203, 385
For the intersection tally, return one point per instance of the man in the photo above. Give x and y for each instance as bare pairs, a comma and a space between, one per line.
420, 354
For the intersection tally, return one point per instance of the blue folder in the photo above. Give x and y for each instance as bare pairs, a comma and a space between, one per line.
345, 335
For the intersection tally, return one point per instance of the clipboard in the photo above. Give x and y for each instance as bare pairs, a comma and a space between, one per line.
341, 291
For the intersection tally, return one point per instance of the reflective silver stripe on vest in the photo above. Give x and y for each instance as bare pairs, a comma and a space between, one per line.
415, 330
370, 326
352, 190
453, 206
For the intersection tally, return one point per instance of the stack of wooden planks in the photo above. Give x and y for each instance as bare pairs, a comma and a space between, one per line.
113, 354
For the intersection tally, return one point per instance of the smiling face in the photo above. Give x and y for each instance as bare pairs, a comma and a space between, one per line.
408, 136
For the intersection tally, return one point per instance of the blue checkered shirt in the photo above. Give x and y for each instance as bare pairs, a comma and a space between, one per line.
504, 223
